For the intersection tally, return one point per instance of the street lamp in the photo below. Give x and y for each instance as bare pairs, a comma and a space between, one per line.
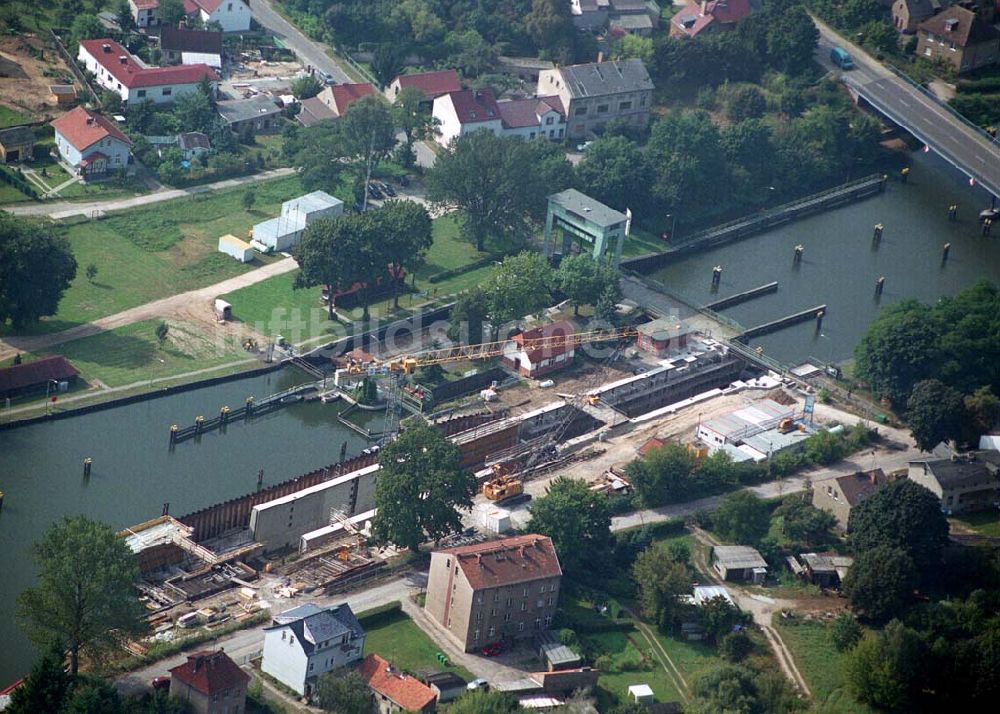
48, 385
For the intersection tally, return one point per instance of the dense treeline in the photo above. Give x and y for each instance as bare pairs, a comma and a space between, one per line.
941, 363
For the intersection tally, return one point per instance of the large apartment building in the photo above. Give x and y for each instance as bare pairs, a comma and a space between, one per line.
597, 93
504, 589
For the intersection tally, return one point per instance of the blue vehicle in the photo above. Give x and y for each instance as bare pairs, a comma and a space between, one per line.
839, 56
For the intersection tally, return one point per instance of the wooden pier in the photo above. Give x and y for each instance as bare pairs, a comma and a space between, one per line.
250, 409
743, 296
783, 322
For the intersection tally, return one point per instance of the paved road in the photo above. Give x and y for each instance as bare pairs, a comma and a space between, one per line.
65, 209
924, 117
9, 346
308, 52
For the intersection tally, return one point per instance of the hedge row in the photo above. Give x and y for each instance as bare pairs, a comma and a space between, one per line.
474, 265
17, 182
987, 84
380, 615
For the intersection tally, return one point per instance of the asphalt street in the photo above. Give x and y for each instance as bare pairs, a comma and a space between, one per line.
922, 115
309, 52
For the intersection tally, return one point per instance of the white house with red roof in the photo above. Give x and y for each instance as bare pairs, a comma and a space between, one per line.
708, 16
534, 118
469, 110
118, 71
432, 84
144, 12
460, 113
232, 15
545, 349
90, 143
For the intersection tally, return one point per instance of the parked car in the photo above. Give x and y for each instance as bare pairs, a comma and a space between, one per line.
328, 79
403, 180
359, 207
387, 189
478, 684
584, 146
493, 649
160, 684
373, 191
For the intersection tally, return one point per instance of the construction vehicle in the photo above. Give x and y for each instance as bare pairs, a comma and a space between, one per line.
502, 485
786, 425
397, 368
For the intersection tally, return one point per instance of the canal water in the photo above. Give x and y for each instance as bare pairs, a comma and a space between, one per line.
841, 264
135, 472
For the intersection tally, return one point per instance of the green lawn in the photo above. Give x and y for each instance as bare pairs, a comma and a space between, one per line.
632, 662
400, 641
12, 117
131, 354
821, 665
985, 523
275, 307
151, 253
9, 194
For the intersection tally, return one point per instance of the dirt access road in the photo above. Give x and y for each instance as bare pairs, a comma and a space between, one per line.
24, 61
194, 305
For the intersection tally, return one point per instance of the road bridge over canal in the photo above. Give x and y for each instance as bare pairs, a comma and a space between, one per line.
961, 143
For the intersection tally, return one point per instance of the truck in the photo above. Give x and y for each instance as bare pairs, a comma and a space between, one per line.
839, 56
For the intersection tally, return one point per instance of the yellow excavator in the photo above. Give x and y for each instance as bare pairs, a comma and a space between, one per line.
501, 485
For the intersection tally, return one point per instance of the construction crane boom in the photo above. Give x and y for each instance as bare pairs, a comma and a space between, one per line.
489, 350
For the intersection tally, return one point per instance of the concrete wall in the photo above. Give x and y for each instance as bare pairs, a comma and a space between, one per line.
282, 522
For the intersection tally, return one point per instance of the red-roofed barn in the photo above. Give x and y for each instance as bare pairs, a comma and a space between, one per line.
461, 113
211, 683
118, 71
332, 102
393, 690
432, 84
703, 17
91, 143
502, 589
39, 376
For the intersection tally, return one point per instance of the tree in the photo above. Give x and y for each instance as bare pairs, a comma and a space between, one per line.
36, 268
934, 412
171, 12
498, 185
685, 152
550, 26
388, 60
792, 39
405, 230
409, 114
366, 135
633, 46
336, 253
420, 489
981, 409
745, 101
91, 271
719, 617
662, 579
194, 112
742, 518
584, 280
737, 689
47, 686
343, 691
904, 515
899, 349
86, 27
93, 696
468, 317
662, 475
845, 632
802, 522
249, 199
306, 86
615, 172
880, 582
484, 702
736, 646
123, 16
162, 330
518, 286
578, 522
85, 598
885, 670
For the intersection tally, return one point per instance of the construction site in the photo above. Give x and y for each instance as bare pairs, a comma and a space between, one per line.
515, 433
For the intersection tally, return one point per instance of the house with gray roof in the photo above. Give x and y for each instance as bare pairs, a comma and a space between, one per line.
599, 92
307, 641
964, 482
258, 114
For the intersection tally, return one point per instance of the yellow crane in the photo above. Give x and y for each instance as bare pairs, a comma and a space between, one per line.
397, 367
